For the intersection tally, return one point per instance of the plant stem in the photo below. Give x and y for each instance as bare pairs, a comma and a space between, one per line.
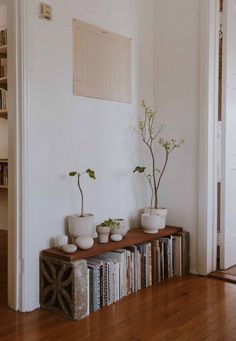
152, 189
159, 180
154, 176
82, 196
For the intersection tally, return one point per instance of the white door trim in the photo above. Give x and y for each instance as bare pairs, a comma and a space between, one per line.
18, 156
207, 233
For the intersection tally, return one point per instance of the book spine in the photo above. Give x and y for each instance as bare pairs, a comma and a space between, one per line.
149, 248
88, 292
154, 262
158, 264
91, 291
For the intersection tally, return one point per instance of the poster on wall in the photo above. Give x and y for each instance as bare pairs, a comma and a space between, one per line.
102, 63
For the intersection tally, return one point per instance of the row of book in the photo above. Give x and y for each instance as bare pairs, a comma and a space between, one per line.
3, 67
4, 174
119, 273
3, 99
3, 37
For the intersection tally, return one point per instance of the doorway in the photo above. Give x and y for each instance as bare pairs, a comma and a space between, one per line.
3, 156
226, 142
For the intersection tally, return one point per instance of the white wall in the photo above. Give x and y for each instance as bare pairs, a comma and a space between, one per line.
3, 139
177, 100
67, 132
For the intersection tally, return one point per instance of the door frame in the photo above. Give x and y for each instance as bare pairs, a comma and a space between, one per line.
18, 152
207, 211
18, 159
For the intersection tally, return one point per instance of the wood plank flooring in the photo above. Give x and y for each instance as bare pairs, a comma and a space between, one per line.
3, 267
188, 308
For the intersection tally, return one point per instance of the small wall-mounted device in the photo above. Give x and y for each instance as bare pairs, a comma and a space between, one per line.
45, 12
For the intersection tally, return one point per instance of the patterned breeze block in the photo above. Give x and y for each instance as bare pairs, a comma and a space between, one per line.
63, 287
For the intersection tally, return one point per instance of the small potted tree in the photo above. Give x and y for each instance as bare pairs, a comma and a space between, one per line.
81, 224
154, 217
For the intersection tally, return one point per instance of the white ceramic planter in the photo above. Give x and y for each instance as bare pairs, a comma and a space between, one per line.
103, 234
153, 220
122, 229
80, 226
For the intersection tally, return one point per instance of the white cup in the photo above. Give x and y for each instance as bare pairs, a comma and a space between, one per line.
61, 240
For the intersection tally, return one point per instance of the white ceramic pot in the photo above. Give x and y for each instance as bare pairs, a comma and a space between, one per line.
103, 234
122, 229
153, 219
80, 226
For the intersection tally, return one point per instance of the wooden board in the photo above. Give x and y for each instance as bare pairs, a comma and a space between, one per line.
3, 114
102, 63
3, 50
135, 236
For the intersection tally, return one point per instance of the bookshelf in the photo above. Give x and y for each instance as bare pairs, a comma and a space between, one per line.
65, 283
4, 113
3, 73
135, 236
3, 50
4, 174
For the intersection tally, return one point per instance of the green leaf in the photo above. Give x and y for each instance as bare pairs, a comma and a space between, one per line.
139, 169
73, 173
111, 223
91, 173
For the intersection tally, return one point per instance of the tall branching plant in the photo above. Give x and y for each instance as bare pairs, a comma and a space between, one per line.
150, 134
91, 174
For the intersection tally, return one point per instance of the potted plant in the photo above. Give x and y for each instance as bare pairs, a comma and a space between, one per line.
121, 227
104, 230
81, 224
154, 217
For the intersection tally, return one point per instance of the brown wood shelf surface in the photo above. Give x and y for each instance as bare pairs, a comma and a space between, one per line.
3, 49
134, 236
3, 80
3, 160
3, 114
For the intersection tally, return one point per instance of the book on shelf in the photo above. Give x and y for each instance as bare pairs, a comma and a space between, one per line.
3, 37
4, 174
3, 67
121, 272
3, 99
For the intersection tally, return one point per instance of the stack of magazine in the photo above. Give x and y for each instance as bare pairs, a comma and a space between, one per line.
119, 273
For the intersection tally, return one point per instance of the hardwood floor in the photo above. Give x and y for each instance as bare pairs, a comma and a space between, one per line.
3, 267
189, 308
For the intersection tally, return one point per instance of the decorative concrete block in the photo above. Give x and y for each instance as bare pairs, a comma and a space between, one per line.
63, 287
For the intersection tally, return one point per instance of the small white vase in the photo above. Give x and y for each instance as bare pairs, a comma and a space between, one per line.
122, 229
103, 234
153, 220
80, 226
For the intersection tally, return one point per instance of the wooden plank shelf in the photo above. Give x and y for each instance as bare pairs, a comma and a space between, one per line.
3, 80
3, 160
3, 83
3, 114
3, 187
133, 237
3, 49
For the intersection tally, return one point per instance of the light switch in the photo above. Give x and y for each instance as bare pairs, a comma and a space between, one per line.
45, 12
